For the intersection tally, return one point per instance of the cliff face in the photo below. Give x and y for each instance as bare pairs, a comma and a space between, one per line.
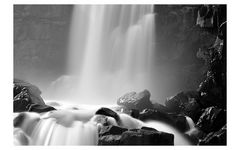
178, 39
40, 41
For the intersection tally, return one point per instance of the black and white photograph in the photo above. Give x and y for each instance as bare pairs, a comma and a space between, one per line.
119, 74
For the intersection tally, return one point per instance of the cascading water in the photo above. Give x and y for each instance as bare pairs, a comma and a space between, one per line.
111, 50
68, 126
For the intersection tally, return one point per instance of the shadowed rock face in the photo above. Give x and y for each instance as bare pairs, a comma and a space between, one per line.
27, 98
186, 103
112, 135
212, 119
216, 138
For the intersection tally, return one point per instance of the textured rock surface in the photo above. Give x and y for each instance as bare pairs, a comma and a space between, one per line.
186, 103
113, 135
212, 119
216, 138
135, 100
108, 112
27, 98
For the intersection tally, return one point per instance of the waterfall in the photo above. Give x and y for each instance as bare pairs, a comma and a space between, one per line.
111, 50
76, 127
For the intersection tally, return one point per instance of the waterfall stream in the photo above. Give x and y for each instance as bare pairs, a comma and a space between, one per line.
69, 130
71, 126
111, 50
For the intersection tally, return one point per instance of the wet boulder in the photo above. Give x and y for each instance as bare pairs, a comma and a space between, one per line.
111, 130
185, 103
40, 108
32, 91
212, 119
135, 100
21, 102
27, 98
108, 112
146, 136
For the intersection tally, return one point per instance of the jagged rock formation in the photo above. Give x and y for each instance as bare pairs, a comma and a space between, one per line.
114, 135
26, 97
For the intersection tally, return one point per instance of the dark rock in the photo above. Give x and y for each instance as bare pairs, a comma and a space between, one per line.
27, 98
151, 114
186, 103
212, 119
135, 100
134, 113
211, 93
145, 136
110, 140
148, 128
32, 91
216, 138
20, 105
40, 108
111, 130
213, 88
108, 112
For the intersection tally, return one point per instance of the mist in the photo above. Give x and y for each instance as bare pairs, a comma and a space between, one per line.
51, 44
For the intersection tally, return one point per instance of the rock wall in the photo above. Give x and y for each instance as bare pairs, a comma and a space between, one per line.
178, 39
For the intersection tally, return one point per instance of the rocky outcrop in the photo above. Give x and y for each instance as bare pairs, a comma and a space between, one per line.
108, 112
22, 88
27, 98
216, 138
135, 100
212, 119
185, 103
206, 104
112, 135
